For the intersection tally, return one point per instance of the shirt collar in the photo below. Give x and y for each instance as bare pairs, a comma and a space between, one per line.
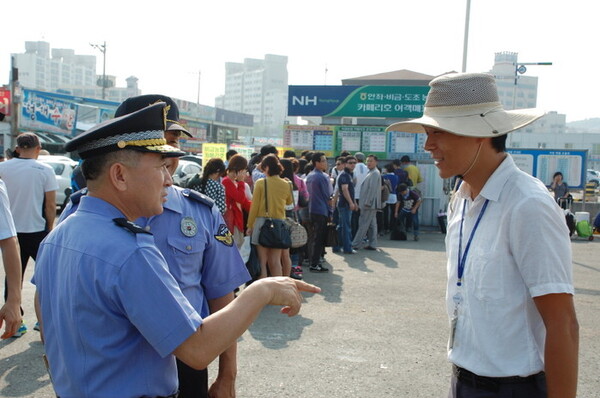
172, 202
99, 206
495, 183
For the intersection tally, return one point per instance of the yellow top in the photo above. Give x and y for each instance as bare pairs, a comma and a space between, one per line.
279, 194
414, 174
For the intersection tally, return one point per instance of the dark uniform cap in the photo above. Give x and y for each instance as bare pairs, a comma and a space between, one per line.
133, 104
142, 131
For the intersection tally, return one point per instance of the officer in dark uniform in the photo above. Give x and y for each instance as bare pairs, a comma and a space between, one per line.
110, 311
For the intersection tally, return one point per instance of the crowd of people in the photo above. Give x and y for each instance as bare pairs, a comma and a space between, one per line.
303, 187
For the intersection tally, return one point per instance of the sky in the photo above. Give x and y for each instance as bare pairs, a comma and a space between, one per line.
168, 45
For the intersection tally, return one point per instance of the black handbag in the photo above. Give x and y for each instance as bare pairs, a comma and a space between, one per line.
331, 235
274, 233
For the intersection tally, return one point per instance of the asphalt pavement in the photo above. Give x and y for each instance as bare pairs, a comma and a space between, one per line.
378, 329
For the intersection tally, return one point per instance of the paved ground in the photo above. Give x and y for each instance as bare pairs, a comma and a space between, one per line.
377, 330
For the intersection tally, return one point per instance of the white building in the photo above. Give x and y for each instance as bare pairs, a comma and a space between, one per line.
61, 70
259, 88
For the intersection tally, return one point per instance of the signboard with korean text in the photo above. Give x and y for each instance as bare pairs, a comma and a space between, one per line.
357, 101
299, 137
402, 142
323, 140
348, 139
543, 163
210, 151
245, 151
47, 113
374, 142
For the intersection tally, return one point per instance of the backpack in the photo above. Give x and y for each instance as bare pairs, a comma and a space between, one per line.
386, 189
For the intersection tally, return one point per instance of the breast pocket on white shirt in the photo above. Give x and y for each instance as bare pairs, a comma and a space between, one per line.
488, 275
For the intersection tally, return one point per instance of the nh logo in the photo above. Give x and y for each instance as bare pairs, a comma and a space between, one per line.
304, 100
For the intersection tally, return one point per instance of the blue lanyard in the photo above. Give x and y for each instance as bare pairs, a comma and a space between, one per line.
462, 258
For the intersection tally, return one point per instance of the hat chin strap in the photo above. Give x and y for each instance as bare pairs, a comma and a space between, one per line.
462, 176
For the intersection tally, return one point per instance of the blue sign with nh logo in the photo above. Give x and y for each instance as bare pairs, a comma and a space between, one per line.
316, 100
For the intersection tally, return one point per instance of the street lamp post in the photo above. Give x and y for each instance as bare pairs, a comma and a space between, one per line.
519, 70
102, 49
466, 40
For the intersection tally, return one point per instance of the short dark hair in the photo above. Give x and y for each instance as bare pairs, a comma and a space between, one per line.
272, 162
389, 167
373, 156
499, 143
230, 153
350, 157
268, 149
92, 168
289, 154
405, 159
316, 157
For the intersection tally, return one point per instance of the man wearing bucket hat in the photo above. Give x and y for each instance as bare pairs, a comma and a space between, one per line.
513, 328
112, 316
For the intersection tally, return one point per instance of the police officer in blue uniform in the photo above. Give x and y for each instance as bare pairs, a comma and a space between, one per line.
110, 311
194, 240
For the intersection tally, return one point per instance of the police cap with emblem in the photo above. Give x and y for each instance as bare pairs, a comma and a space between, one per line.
133, 104
142, 131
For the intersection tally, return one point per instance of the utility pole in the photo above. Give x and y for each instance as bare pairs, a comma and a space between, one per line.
466, 41
15, 100
198, 97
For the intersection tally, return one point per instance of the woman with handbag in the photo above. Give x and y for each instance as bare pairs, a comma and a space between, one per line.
271, 195
236, 201
299, 193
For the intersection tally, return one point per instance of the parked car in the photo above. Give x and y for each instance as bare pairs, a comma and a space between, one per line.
185, 171
593, 176
193, 158
63, 167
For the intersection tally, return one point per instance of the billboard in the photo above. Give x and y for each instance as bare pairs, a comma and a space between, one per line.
5, 101
47, 113
542, 164
357, 101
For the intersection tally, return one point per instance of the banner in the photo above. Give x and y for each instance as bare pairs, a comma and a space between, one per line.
46, 113
213, 151
357, 101
5, 101
543, 163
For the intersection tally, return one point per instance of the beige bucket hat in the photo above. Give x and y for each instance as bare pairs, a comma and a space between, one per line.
467, 104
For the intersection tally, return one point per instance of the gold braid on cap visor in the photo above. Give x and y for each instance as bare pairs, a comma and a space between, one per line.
146, 143
143, 138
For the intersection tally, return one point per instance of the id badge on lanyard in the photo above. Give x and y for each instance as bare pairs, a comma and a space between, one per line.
462, 261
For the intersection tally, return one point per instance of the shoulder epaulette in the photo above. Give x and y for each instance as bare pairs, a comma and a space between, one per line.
198, 197
76, 197
133, 227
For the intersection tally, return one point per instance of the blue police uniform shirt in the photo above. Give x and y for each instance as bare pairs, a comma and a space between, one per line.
111, 310
193, 237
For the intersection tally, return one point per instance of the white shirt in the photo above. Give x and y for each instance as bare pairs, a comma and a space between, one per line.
520, 250
27, 181
360, 173
7, 226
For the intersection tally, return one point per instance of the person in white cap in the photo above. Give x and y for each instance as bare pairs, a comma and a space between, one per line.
513, 327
